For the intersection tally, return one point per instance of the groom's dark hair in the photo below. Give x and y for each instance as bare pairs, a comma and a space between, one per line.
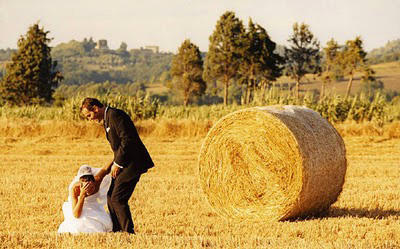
88, 103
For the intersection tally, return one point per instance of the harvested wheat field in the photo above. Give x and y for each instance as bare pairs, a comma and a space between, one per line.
169, 207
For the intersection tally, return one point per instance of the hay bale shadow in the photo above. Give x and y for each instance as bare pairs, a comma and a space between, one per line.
363, 213
335, 212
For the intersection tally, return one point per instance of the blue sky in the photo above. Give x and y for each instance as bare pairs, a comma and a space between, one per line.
166, 23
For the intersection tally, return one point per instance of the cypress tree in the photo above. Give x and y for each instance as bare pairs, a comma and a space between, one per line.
31, 76
187, 71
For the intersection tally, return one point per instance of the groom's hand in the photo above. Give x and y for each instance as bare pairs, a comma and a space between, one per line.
115, 171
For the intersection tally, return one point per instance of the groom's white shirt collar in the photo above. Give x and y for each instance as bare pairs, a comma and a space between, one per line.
104, 119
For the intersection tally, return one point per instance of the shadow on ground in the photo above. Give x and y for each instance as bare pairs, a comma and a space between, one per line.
362, 213
335, 212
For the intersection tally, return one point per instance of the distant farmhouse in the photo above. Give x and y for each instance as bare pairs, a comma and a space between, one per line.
147, 49
155, 49
102, 45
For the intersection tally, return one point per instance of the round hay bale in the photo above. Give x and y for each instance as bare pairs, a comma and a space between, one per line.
272, 163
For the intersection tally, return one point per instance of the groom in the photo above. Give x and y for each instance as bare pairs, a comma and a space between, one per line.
131, 159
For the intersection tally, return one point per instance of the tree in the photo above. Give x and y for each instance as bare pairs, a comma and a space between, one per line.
122, 50
390, 52
187, 71
303, 55
260, 63
88, 45
225, 51
370, 85
31, 75
352, 60
331, 59
67, 51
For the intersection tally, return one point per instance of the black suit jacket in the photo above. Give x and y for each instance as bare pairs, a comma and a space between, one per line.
129, 150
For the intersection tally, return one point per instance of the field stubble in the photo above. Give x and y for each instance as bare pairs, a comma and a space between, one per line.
168, 206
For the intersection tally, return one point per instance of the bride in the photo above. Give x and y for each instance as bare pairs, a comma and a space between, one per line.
85, 212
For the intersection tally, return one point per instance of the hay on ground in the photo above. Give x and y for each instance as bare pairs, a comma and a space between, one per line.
272, 163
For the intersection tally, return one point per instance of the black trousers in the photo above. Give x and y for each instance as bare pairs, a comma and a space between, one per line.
118, 195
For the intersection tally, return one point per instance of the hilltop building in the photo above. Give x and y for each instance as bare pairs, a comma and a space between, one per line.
147, 49
102, 45
155, 49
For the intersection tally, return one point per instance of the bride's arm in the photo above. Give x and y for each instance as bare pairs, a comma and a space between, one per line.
102, 173
78, 199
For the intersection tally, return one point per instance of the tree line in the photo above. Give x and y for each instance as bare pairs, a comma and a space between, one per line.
246, 56
388, 53
239, 57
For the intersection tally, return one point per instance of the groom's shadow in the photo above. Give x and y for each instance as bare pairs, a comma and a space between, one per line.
336, 212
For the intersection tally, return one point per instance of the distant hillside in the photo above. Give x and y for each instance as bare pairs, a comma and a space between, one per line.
89, 61
5, 54
390, 52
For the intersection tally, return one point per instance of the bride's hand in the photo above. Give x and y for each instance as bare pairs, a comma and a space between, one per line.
85, 189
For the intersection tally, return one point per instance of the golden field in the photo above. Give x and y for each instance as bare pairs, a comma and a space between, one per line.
38, 161
388, 73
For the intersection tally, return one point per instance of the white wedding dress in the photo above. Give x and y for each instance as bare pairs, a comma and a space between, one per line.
94, 217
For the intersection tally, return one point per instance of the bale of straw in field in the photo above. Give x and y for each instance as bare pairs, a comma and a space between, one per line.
272, 163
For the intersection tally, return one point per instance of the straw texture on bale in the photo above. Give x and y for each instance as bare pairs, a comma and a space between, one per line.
272, 163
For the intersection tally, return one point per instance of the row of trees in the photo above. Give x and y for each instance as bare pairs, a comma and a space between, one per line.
388, 53
247, 57
237, 55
